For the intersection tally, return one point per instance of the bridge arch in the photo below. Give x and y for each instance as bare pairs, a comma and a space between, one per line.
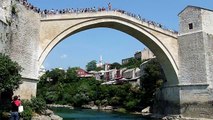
147, 36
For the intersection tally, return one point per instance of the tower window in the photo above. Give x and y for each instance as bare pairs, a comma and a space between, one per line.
190, 26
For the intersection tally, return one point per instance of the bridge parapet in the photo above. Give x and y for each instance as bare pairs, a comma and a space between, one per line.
136, 19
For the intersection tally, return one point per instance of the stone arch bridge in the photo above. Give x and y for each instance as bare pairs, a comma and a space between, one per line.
55, 28
186, 58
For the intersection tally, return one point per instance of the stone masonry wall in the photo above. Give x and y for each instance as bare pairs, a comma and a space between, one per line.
25, 40
192, 58
207, 18
191, 48
4, 37
196, 62
25, 32
186, 17
4, 29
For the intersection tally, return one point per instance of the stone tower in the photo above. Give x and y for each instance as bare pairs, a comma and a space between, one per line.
196, 61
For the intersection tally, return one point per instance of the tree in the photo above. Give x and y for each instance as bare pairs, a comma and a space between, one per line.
71, 74
57, 75
91, 65
10, 76
152, 79
132, 63
115, 65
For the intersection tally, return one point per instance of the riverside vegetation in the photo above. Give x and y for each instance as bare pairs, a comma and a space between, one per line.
10, 79
66, 88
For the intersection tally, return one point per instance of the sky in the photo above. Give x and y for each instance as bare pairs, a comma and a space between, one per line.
83, 47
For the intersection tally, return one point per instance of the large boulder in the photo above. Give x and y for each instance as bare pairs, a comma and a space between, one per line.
55, 117
41, 117
146, 110
48, 112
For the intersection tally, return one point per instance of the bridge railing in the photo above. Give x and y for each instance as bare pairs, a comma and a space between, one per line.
137, 17
47, 13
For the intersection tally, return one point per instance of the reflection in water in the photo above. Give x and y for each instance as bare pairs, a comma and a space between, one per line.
87, 114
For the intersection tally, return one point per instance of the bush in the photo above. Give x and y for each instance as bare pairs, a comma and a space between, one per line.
10, 74
115, 101
98, 102
130, 105
38, 105
121, 110
4, 115
27, 113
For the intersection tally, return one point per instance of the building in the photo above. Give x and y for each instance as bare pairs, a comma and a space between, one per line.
125, 61
132, 76
131, 73
99, 75
110, 74
106, 66
144, 54
83, 74
137, 55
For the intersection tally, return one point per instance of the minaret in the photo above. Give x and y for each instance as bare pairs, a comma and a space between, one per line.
100, 62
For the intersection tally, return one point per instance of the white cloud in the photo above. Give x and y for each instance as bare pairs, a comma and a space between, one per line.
64, 56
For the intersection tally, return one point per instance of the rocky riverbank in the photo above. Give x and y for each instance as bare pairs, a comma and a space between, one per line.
64, 106
48, 115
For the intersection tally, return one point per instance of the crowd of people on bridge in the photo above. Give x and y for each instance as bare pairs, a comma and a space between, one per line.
29, 6
46, 12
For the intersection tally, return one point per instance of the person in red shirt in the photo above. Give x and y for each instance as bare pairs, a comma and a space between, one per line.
15, 104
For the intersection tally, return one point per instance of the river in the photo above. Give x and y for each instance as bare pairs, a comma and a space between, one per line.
88, 114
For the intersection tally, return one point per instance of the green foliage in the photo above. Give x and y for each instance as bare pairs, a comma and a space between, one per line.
98, 102
51, 96
91, 65
52, 77
5, 100
27, 113
10, 76
57, 75
99, 68
130, 105
79, 91
121, 110
152, 80
115, 65
132, 63
37, 105
114, 101
71, 75
4, 115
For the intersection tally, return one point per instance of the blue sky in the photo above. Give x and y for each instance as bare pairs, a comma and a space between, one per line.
113, 45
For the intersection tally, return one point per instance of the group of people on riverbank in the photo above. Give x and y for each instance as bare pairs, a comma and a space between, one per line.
47, 12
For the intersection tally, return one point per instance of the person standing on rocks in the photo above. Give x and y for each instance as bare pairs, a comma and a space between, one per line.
15, 104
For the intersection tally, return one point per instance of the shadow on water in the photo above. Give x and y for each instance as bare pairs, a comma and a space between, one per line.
88, 114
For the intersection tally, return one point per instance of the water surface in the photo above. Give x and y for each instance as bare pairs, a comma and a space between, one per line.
87, 114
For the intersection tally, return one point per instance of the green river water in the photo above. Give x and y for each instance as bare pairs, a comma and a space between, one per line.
87, 114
